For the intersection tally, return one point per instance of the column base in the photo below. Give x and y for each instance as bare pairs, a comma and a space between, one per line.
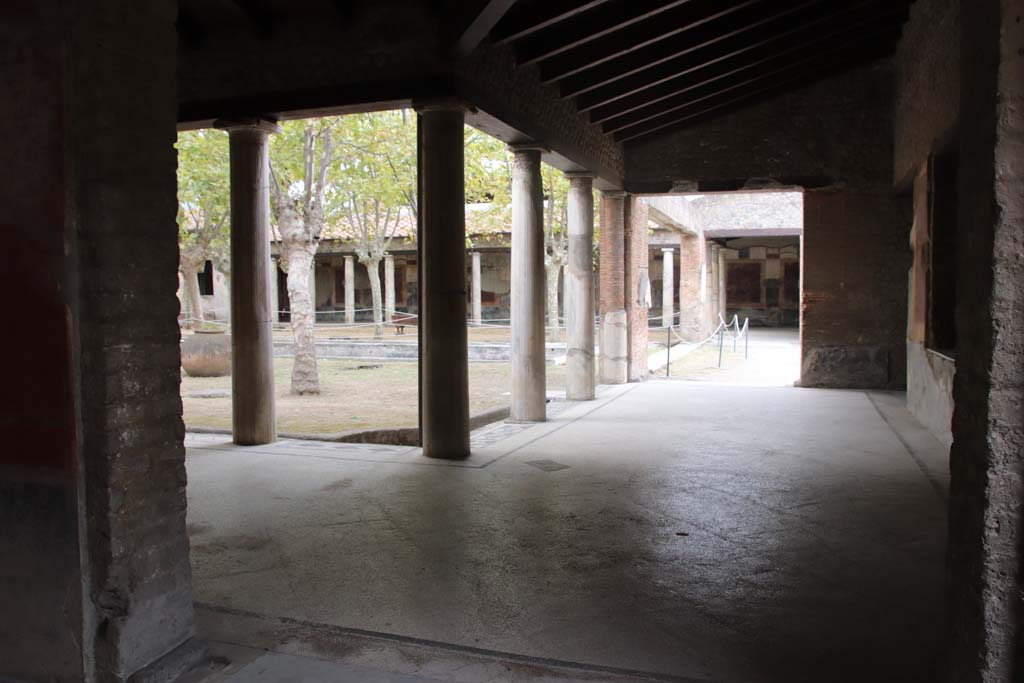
614, 356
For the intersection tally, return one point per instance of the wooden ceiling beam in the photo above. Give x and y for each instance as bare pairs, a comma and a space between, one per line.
525, 18
485, 18
608, 19
771, 38
754, 90
706, 74
747, 26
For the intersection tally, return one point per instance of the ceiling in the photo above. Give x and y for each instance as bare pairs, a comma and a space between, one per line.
642, 67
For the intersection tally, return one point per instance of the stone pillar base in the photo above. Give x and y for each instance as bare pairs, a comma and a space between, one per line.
614, 365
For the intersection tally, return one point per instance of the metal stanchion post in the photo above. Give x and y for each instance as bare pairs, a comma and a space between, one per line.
668, 350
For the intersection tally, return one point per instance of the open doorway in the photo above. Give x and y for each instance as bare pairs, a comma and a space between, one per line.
731, 311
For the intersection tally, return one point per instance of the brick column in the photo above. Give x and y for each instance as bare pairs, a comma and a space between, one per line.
691, 311
612, 364
444, 354
637, 289
528, 374
252, 360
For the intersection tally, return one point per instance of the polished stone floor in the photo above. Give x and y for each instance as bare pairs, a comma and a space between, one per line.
667, 531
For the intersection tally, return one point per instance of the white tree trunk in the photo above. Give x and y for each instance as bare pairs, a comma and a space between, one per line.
373, 271
552, 269
305, 378
190, 285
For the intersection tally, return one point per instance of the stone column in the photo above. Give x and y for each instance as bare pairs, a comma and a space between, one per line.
275, 309
350, 289
478, 316
529, 391
721, 281
667, 287
444, 355
252, 365
579, 290
613, 365
389, 286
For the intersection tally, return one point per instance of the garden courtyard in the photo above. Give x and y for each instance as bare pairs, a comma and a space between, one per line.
354, 395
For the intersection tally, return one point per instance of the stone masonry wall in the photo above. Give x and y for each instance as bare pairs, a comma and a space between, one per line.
986, 532
833, 131
854, 304
123, 118
92, 478
926, 69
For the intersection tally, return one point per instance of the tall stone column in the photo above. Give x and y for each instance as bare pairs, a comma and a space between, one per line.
667, 287
275, 309
444, 354
579, 289
529, 391
252, 364
478, 316
389, 287
350, 289
613, 366
721, 282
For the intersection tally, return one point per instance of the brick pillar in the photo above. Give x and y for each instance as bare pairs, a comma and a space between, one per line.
94, 576
613, 364
691, 310
638, 294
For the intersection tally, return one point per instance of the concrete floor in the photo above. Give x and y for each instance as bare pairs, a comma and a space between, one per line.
667, 531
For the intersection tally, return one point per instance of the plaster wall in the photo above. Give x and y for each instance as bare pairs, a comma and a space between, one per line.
930, 389
927, 78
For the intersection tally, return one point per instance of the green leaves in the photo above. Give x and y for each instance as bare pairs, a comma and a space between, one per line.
203, 190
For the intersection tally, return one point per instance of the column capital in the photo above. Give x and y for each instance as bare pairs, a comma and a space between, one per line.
668, 250
453, 104
248, 123
614, 194
581, 175
518, 147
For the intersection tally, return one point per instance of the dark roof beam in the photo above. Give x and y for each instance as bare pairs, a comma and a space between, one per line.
598, 23
706, 74
578, 77
841, 51
525, 18
739, 46
717, 103
482, 22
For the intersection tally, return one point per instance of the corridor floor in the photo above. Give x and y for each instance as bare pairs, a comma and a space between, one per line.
667, 531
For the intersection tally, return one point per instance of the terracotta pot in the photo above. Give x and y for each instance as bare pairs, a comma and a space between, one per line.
207, 353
